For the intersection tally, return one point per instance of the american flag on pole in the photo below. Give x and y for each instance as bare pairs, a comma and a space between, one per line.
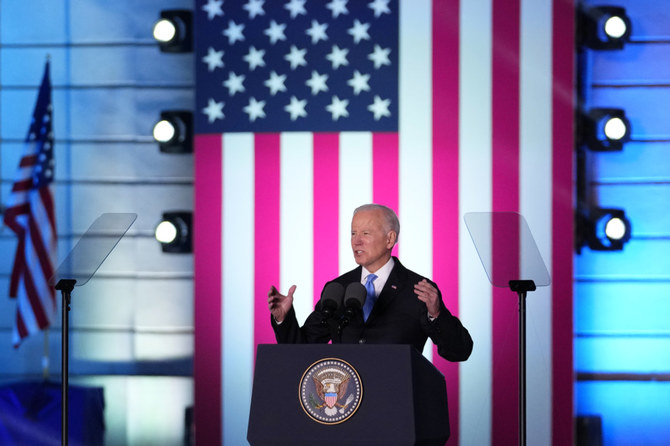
30, 214
306, 109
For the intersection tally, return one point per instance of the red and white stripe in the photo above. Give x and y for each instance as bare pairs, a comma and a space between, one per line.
485, 125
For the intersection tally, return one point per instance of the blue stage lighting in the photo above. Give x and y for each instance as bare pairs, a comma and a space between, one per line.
174, 31
604, 129
603, 27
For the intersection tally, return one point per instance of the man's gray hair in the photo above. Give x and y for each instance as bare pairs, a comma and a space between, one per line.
391, 222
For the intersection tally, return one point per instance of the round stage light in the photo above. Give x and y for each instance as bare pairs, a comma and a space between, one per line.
603, 27
615, 128
615, 27
174, 131
174, 232
166, 232
616, 228
164, 131
174, 31
164, 30
604, 129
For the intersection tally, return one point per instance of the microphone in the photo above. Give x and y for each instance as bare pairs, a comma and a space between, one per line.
354, 298
331, 299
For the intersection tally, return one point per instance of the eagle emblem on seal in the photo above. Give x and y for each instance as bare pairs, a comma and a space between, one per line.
330, 391
331, 387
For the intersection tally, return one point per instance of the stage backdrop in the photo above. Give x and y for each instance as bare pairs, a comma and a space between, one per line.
305, 110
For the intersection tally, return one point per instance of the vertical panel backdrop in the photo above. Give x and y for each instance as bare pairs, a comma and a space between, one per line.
305, 111
622, 345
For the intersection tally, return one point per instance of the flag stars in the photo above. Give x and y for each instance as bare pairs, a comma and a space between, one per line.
296, 108
296, 57
275, 32
213, 8
338, 57
338, 108
380, 108
275, 83
317, 82
359, 82
296, 7
317, 31
213, 59
255, 109
234, 83
254, 58
380, 56
214, 110
380, 7
267, 87
359, 31
234, 32
254, 8
338, 7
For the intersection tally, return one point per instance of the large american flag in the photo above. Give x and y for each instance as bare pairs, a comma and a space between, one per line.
30, 214
307, 109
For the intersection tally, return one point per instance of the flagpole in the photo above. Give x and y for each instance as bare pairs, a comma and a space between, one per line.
45, 353
45, 356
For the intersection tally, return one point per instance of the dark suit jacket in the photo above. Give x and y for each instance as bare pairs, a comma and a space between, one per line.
398, 317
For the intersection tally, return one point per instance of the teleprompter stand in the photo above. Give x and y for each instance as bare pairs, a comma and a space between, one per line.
78, 267
508, 252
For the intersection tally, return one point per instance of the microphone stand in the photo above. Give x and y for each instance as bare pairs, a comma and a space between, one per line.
347, 315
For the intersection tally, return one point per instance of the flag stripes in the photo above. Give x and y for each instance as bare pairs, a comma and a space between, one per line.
562, 133
326, 208
208, 288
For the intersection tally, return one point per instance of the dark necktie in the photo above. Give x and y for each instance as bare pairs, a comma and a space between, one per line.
371, 296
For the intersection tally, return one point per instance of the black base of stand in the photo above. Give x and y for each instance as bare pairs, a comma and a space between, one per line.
65, 286
521, 287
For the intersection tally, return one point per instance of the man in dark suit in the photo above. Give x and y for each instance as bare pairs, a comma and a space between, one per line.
403, 308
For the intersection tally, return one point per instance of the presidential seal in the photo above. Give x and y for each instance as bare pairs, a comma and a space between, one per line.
330, 391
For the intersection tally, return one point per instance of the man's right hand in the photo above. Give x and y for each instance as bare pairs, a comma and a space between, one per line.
280, 304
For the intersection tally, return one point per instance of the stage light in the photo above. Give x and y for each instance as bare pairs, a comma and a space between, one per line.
174, 131
603, 229
174, 31
604, 129
174, 232
604, 27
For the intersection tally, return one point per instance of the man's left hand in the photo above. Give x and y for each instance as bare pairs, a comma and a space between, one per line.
428, 294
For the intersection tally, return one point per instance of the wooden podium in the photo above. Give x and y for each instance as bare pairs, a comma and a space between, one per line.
400, 397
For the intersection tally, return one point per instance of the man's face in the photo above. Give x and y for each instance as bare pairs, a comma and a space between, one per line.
370, 242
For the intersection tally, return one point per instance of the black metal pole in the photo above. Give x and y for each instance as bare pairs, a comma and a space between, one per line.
522, 368
65, 286
521, 287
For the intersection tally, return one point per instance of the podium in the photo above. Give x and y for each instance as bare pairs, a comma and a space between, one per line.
389, 395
